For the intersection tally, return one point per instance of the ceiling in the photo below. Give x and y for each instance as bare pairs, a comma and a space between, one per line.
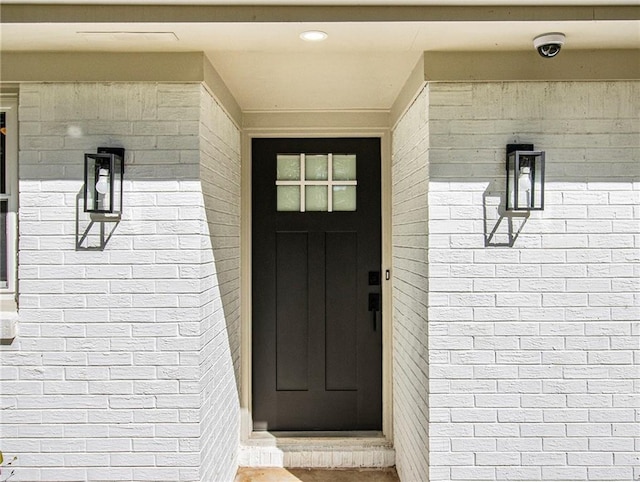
362, 65
327, 2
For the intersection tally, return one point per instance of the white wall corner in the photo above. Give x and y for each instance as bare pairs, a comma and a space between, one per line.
410, 90
216, 84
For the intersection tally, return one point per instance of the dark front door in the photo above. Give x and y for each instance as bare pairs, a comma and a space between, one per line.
317, 334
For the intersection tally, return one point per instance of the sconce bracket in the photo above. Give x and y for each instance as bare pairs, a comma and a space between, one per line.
118, 151
510, 148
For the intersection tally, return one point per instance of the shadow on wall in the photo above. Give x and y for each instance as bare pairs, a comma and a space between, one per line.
93, 234
501, 227
226, 258
220, 182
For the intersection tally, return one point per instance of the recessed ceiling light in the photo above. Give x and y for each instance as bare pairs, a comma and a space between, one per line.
313, 35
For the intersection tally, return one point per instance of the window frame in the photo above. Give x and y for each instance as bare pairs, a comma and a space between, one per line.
9, 105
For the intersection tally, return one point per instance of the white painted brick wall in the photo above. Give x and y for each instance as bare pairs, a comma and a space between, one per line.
410, 290
107, 378
220, 354
534, 349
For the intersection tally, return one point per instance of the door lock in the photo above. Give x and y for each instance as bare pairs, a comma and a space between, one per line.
374, 307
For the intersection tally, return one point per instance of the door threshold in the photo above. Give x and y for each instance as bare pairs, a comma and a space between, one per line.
316, 439
320, 434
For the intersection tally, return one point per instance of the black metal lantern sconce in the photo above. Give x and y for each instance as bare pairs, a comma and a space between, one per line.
103, 173
525, 178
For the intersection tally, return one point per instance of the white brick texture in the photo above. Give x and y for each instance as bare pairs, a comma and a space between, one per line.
533, 322
410, 291
219, 380
121, 347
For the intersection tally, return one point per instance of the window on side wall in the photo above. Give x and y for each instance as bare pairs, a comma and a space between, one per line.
8, 199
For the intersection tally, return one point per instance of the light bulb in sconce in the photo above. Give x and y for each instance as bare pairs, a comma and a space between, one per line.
524, 187
102, 186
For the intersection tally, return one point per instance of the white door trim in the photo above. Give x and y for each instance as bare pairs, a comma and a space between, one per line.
333, 119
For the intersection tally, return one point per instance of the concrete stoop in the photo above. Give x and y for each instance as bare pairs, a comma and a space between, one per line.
317, 452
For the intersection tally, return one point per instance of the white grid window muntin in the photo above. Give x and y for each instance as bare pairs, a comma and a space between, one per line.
289, 179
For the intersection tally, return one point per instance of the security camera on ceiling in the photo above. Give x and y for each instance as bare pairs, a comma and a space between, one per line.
548, 45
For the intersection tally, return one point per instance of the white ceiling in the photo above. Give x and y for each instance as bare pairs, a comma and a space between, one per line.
328, 2
267, 66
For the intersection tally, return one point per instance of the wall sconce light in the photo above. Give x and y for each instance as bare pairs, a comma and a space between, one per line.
103, 173
525, 178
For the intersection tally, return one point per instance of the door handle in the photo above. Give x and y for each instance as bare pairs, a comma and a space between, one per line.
374, 307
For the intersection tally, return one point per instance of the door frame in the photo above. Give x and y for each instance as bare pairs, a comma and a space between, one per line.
327, 124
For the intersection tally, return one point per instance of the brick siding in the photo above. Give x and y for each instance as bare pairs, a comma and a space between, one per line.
410, 173
111, 376
534, 348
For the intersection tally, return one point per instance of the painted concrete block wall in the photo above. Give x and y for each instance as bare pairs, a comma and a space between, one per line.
220, 328
104, 381
534, 330
410, 173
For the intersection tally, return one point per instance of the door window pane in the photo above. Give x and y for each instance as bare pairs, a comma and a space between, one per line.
344, 167
288, 168
316, 198
316, 182
288, 198
317, 167
344, 198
